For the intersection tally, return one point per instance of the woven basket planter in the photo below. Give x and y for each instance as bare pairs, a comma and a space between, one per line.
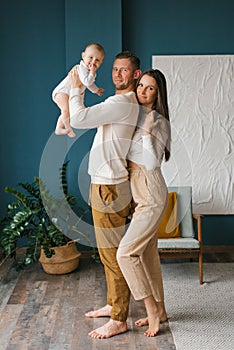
65, 259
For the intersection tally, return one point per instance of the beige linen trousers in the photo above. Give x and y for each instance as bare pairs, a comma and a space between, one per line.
137, 254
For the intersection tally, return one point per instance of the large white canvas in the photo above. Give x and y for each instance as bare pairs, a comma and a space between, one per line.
201, 102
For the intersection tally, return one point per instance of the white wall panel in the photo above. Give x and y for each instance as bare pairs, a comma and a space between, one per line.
201, 102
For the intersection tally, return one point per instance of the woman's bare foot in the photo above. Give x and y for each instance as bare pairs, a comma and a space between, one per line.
162, 314
154, 325
109, 329
142, 322
104, 311
153, 314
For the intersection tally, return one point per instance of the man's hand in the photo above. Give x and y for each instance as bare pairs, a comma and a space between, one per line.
74, 78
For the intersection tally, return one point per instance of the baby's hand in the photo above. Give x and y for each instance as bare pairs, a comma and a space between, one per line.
149, 123
100, 91
92, 68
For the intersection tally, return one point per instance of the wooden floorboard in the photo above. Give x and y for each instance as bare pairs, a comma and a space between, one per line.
39, 311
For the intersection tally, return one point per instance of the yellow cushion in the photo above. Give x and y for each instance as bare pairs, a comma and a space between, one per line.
169, 227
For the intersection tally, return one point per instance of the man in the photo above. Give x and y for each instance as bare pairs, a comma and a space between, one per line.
115, 120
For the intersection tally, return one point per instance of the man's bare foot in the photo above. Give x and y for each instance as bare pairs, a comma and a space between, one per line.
109, 329
104, 311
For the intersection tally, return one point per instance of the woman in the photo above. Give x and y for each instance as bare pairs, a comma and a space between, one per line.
137, 254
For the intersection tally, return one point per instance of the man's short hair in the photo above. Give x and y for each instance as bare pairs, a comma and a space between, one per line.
135, 61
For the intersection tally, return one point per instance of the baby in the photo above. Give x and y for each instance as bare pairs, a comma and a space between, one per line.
92, 58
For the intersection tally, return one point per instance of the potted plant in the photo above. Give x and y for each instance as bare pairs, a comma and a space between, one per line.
27, 224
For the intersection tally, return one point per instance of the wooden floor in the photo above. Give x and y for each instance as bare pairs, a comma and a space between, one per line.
46, 312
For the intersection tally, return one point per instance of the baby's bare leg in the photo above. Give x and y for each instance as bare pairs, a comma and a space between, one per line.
63, 124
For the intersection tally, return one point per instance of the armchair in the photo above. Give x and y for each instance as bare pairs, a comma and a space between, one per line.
188, 245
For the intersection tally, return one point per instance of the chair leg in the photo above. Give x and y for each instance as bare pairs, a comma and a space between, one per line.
200, 267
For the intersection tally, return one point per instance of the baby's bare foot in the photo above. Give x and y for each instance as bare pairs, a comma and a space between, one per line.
71, 133
109, 329
105, 311
63, 131
60, 131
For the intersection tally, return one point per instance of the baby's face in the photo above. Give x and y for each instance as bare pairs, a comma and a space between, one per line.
92, 57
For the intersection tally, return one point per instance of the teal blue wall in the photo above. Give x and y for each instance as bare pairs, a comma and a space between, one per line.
182, 27
42, 39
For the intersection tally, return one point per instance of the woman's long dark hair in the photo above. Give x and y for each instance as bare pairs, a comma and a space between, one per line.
160, 104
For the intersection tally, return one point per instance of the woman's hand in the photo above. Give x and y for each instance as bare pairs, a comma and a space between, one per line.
74, 78
149, 123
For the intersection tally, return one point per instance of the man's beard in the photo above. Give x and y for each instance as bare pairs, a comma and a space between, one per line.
123, 86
